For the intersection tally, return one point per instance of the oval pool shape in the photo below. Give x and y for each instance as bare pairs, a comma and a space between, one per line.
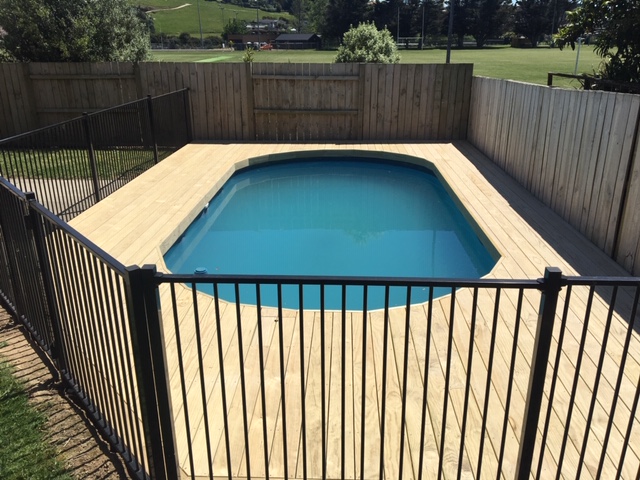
332, 217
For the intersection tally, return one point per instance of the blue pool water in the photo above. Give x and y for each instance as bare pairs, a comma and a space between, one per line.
331, 218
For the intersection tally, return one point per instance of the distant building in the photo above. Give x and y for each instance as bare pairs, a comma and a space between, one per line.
266, 25
297, 41
241, 41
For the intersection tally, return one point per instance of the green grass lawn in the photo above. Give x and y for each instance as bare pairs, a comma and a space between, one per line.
23, 452
185, 19
526, 65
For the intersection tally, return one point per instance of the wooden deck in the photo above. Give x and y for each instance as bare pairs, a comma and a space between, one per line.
141, 221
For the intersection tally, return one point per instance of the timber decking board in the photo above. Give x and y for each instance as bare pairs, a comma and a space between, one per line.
140, 220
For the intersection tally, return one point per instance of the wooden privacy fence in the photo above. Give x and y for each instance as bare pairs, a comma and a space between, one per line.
260, 101
577, 151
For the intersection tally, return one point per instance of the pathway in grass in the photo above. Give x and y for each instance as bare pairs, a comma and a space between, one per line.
215, 59
37, 420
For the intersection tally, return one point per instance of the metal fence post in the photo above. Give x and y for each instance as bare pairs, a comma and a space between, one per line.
152, 127
143, 303
92, 156
57, 349
551, 286
187, 114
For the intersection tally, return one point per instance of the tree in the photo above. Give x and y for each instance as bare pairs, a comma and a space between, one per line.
73, 30
484, 20
318, 15
366, 44
341, 15
617, 39
532, 20
234, 27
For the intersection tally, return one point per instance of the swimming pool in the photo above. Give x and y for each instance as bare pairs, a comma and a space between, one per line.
332, 217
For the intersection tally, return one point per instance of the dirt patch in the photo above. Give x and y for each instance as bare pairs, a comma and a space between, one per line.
80, 446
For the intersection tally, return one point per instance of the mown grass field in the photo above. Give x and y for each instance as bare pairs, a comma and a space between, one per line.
525, 65
176, 16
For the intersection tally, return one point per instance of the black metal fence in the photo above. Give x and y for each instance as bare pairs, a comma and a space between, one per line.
184, 382
74, 164
80, 306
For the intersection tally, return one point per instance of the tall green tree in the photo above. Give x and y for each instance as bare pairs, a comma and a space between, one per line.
234, 26
73, 30
341, 15
532, 20
485, 20
616, 24
318, 15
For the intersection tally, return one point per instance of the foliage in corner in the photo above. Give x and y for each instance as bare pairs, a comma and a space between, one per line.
616, 35
366, 44
73, 31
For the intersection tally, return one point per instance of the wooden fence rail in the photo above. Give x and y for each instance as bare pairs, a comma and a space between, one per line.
248, 102
577, 151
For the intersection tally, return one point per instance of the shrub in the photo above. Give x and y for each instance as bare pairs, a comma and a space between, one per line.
366, 44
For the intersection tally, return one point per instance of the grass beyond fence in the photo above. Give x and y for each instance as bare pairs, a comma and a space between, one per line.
525, 65
67, 164
172, 17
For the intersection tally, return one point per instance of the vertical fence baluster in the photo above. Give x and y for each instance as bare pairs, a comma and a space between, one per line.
467, 388
512, 369
152, 128
183, 387
342, 381
282, 383
383, 406
616, 391
324, 386
487, 390
447, 381
425, 386
263, 400
551, 286
203, 388
92, 156
405, 368
223, 385
303, 403
243, 383
363, 398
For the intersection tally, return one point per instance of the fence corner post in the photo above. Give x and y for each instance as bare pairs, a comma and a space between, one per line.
143, 303
551, 286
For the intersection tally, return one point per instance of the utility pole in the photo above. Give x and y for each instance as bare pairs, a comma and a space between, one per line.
450, 32
422, 34
200, 22
398, 28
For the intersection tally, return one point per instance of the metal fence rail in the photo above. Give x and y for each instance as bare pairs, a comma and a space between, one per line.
186, 369
74, 164
325, 374
79, 305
